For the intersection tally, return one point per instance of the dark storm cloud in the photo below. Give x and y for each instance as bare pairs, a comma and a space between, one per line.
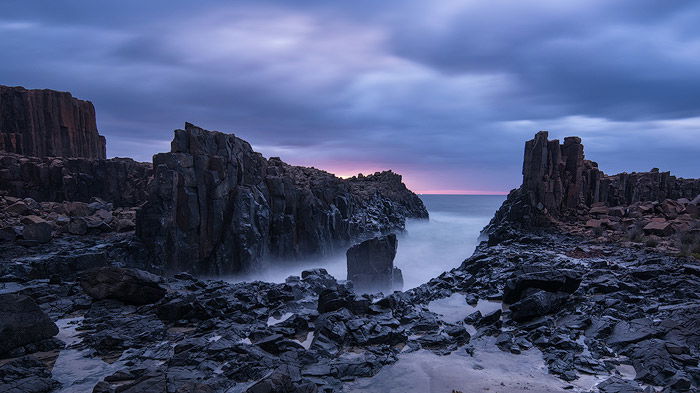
444, 92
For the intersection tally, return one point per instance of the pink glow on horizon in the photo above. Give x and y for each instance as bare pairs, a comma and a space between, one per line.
413, 181
460, 192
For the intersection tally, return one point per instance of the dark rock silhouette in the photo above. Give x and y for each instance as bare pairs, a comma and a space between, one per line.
558, 183
217, 207
48, 123
131, 286
371, 264
22, 322
121, 181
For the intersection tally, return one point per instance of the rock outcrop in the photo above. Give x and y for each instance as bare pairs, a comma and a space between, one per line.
121, 181
371, 265
217, 207
22, 322
48, 123
131, 286
558, 182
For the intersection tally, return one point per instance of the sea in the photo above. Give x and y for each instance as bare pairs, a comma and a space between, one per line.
425, 249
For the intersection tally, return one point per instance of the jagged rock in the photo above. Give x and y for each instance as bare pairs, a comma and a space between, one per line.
217, 207
36, 229
658, 228
48, 123
77, 226
26, 375
121, 181
128, 285
22, 322
557, 181
371, 264
618, 385
547, 279
78, 209
537, 304
18, 208
285, 379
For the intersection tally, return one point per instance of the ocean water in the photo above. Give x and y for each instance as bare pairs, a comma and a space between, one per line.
426, 248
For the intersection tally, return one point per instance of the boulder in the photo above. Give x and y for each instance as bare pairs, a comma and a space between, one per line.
370, 264
537, 304
26, 375
599, 210
22, 322
77, 226
658, 228
18, 208
131, 286
550, 280
671, 209
617, 211
36, 229
78, 209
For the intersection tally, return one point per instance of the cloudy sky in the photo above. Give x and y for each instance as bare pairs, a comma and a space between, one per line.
444, 92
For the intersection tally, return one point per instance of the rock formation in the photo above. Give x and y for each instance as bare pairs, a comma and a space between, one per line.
48, 123
22, 322
371, 264
217, 207
131, 286
121, 181
558, 182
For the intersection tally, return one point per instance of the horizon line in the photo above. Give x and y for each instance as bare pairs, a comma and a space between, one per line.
461, 192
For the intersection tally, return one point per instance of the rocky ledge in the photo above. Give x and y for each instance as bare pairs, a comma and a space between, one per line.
121, 181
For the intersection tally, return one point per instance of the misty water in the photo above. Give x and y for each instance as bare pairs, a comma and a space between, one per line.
427, 247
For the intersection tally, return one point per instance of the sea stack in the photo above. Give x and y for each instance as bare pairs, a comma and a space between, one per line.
371, 265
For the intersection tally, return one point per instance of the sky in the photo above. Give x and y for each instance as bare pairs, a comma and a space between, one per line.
444, 92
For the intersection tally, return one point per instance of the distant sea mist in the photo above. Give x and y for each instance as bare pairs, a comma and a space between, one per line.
426, 248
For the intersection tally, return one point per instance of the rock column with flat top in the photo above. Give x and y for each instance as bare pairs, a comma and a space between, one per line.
371, 265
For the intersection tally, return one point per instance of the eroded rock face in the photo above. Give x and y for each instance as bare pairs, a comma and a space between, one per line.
561, 186
121, 181
22, 322
371, 264
131, 286
48, 123
217, 207
557, 177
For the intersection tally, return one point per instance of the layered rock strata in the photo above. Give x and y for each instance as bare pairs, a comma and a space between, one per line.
48, 123
121, 181
217, 207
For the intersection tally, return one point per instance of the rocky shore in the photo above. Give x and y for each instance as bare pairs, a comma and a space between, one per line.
101, 295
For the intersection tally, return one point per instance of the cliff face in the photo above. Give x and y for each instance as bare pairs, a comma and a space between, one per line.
121, 181
558, 182
48, 123
217, 207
